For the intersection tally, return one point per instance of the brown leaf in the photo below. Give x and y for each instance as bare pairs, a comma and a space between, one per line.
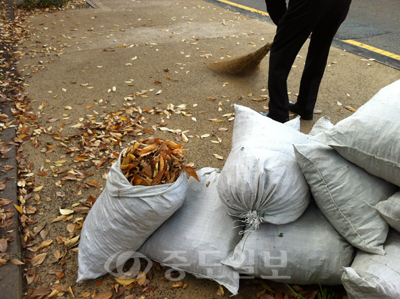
106, 295
93, 184
17, 262
85, 295
38, 259
4, 202
3, 245
44, 245
41, 292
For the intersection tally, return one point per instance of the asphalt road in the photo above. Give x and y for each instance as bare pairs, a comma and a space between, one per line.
374, 23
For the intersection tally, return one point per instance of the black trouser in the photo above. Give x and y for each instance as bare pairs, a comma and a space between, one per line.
321, 19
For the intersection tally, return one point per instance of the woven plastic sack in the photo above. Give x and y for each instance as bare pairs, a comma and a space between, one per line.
370, 137
346, 194
302, 252
198, 236
261, 181
390, 210
375, 276
122, 218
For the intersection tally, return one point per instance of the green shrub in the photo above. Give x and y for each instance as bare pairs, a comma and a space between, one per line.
30, 4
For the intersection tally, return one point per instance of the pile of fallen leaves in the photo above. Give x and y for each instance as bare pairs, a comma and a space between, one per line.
154, 161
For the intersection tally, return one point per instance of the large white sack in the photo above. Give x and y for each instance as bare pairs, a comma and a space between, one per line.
390, 210
261, 181
370, 137
199, 235
306, 251
321, 125
375, 276
122, 218
346, 195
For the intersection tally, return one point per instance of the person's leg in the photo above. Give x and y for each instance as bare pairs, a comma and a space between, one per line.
293, 30
318, 52
276, 9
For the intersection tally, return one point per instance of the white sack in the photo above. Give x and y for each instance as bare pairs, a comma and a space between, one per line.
302, 252
122, 218
199, 235
346, 195
390, 210
374, 276
261, 181
370, 137
321, 125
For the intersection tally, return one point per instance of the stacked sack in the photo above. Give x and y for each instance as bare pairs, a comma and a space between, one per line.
286, 206
370, 139
286, 238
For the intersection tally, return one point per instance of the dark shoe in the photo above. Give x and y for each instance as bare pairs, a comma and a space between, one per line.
266, 114
293, 108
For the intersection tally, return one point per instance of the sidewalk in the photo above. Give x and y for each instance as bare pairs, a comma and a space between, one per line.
98, 64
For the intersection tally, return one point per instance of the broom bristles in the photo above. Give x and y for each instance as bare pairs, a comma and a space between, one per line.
242, 65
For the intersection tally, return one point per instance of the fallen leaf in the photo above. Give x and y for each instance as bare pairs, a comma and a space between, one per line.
93, 184
85, 295
106, 295
3, 245
17, 262
125, 282
19, 209
350, 108
66, 212
220, 291
41, 292
141, 278
72, 242
218, 157
38, 259
44, 245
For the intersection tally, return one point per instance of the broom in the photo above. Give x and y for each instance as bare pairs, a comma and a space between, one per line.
243, 64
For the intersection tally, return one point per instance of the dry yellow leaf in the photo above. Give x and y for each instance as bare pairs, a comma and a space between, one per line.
59, 218
19, 209
350, 108
66, 212
125, 282
218, 157
44, 245
220, 291
71, 242
141, 278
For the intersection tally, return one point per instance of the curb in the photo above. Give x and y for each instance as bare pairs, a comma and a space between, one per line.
11, 284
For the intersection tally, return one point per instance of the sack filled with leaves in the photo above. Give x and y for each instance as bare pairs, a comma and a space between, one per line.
198, 236
126, 214
261, 181
307, 251
154, 161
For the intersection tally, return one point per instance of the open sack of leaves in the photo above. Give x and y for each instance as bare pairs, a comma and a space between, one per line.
154, 161
136, 201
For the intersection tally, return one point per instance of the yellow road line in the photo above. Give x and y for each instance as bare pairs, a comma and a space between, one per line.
373, 49
244, 7
349, 41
